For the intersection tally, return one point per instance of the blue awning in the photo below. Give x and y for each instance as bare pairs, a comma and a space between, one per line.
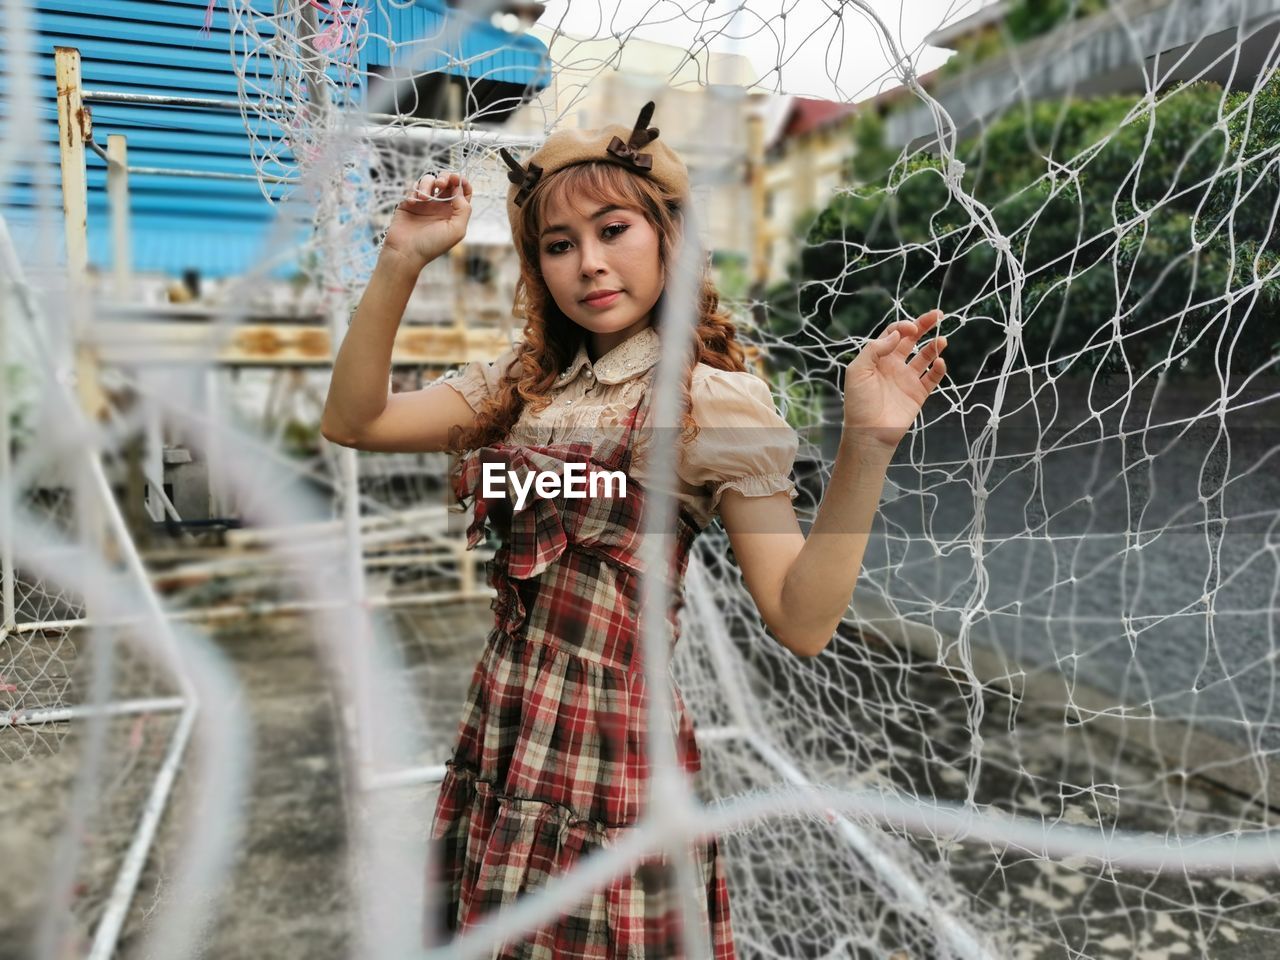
433, 38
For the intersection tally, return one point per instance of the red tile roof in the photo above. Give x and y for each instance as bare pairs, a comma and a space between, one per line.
807, 115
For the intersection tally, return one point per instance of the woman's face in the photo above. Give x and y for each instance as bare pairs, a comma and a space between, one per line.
600, 264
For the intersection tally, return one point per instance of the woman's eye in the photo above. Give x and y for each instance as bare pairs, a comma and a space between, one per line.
558, 246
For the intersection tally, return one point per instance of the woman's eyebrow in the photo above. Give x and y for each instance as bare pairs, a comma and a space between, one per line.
555, 227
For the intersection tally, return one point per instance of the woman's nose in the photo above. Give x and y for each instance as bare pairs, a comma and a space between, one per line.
592, 262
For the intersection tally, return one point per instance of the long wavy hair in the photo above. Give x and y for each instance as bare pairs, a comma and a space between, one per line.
551, 339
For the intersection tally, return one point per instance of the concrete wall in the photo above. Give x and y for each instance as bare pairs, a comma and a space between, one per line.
1103, 579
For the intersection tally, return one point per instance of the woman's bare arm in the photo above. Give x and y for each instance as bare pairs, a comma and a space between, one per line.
359, 410
802, 586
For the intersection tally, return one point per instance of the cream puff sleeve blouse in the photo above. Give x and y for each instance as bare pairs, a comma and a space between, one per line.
744, 444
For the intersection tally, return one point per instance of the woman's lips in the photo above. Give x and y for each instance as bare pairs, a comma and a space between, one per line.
602, 299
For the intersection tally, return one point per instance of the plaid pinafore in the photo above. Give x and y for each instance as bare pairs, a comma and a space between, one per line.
551, 760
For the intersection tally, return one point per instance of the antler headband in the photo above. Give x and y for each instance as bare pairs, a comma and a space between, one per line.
527, 176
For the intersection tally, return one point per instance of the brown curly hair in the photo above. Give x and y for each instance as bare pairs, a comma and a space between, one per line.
551, 339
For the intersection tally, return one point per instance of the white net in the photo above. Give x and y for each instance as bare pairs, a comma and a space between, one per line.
1043, 728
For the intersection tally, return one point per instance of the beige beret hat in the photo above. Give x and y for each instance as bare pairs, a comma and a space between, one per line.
637, 149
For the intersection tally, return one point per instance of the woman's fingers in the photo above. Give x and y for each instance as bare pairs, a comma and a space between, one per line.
919, 327
459, 188
927, 354
928, 320
423, 189
898, 336
893, 325
418, 190
444, 186
885, 344
429, 189
935, 374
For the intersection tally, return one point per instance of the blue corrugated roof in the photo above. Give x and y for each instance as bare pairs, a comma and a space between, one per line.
156, 47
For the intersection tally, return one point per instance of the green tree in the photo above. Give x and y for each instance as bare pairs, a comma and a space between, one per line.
871, 158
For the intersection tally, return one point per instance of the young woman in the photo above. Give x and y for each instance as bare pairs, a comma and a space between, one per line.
551, 761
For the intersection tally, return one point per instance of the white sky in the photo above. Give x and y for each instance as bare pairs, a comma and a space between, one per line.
823, 48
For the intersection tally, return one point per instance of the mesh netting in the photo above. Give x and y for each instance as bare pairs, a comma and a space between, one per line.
1043, 728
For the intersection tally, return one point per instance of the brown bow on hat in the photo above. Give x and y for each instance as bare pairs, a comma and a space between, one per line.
611, 144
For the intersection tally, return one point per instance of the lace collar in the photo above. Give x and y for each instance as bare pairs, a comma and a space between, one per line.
628, 359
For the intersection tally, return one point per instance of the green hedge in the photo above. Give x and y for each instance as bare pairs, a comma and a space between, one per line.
1104, 203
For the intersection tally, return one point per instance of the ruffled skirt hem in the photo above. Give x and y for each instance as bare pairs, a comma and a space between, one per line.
490, 849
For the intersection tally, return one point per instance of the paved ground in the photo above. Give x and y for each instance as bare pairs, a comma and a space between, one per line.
289, 898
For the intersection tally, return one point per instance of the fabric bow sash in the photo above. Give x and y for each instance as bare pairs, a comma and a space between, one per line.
538, 533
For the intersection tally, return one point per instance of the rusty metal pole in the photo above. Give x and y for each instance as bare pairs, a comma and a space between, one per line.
75, 129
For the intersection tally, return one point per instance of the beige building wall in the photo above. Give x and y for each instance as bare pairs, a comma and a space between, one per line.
801, 176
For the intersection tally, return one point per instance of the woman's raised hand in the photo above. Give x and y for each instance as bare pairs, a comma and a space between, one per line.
885, 387
431, 218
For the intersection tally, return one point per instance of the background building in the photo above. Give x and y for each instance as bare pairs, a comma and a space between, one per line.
810, 148
806, 159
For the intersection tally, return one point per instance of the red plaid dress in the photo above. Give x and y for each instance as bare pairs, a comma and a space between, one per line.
550, 762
